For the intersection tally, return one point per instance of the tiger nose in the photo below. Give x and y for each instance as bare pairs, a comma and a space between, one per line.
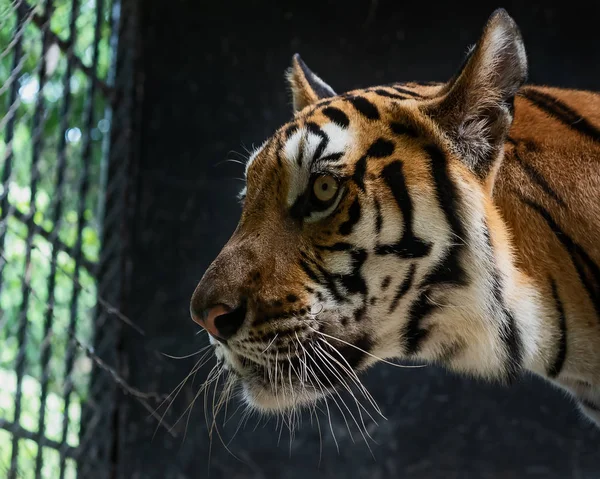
221, 321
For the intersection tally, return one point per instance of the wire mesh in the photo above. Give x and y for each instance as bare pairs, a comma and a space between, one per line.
63, 174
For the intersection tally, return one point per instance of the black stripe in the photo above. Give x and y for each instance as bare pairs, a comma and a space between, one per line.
413, 335
561, 353
278, 150
510, 103
513, 345
301, 151
401, 129
381, 148
332, 157
403, 288
427, 83
354, 282
587, 270
320, 104
266, 317
360, 312
448, 270
359, 172
589, 404
290, 130
534, 175
447, 192
365, 107
312, 127
378, 217
387, 94
337, 116
322, 277
508, 332
355, 356
353, 218
316, 130
562, 112
309, 272
405, 91
409, 245
335, 247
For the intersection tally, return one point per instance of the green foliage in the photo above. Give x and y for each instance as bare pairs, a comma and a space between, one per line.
55, 209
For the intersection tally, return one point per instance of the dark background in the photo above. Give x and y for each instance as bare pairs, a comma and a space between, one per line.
210, 79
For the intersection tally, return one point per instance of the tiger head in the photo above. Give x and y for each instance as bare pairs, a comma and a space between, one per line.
368, 233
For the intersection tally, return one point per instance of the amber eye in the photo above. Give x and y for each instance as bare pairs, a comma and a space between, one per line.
325, 188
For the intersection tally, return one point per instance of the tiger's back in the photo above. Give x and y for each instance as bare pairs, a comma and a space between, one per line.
548, 192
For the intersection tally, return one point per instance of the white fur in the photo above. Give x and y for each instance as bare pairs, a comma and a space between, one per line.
253, 156
340, 138
305, 143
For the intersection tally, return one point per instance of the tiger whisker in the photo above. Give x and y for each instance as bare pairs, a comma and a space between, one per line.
270, 344
213, 376
230, 160
359, 405
317, 313
214, 426
201, 362
327, 359
200, 390
368, 353
293, 409
247, 412
328, 411
352, 374
240, 406
178, 389
314, 409
188, 355
337, 404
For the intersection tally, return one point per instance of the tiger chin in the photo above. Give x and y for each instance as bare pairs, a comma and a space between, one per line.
447, 223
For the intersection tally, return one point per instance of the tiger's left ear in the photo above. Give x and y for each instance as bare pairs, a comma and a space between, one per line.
475, 108
307, 88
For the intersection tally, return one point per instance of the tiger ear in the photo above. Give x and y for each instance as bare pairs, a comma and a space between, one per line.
307, 88
475, 108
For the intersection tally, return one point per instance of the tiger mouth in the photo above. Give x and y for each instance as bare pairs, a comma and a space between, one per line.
296, 380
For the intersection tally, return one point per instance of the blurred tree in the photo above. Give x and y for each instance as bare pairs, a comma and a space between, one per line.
19, 187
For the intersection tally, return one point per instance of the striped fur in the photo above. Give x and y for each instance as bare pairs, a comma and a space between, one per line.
465, 232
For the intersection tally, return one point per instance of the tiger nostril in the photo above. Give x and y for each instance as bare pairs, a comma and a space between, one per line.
221, 321
229, 323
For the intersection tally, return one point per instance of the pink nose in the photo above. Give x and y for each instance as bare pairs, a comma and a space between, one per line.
210, 316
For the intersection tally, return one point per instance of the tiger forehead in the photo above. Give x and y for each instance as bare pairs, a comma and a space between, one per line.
367, 108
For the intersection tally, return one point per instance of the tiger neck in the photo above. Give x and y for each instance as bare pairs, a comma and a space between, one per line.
495, 326
503, 340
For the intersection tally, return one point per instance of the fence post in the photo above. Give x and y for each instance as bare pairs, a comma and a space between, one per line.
100, 453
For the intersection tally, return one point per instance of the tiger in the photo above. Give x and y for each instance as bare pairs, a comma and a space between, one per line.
451, 224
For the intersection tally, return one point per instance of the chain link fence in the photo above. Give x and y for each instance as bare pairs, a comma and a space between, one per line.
66, 102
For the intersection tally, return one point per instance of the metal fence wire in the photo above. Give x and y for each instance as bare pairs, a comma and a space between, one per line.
64, 147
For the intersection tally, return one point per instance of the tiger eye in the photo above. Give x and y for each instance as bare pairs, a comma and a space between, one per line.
325, 187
